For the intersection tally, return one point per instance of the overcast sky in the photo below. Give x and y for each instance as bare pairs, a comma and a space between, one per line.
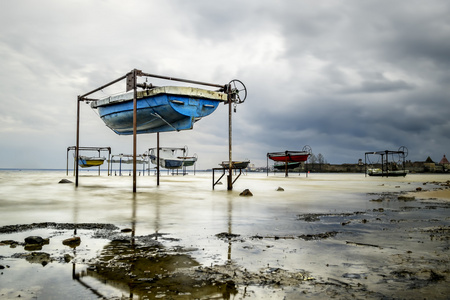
343, 77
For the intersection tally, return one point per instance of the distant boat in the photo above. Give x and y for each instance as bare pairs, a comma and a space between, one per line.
188, 161
169, 159
235, 164
387, 173
289, 156
87, 162
160, 109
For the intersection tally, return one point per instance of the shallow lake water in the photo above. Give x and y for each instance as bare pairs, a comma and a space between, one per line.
267, 231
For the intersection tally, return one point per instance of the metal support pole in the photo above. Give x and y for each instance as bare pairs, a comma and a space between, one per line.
109, 161
134, 129
286, 165
230, 156
365, 165
78, 141
99, 166
387, 164
157, 158
67, 162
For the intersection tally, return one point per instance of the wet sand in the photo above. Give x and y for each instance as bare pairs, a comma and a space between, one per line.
322, 237
443, 194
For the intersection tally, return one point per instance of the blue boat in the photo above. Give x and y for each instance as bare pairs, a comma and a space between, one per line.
170, 159
160, 109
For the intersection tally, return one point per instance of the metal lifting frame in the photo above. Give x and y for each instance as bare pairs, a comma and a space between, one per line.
132, 84
86, 149
384, 160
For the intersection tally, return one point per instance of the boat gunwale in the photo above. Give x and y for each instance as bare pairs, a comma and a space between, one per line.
164, 90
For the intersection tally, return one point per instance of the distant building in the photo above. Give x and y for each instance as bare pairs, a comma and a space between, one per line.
445, 163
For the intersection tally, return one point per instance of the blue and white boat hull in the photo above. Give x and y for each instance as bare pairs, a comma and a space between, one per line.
158, 110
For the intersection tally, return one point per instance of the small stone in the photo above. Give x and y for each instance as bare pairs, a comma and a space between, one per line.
418, 189
280, 189
65, 181
246, 193
67, 258
34, 240
406, 198
72, 242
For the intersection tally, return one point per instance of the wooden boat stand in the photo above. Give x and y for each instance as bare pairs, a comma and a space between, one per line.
75, 165
215, 182
132, 84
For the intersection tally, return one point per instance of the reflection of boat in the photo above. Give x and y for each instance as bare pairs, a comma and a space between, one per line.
86, 161
379, 172
289, 156
290, 166
159, 109
235, 164
169, 159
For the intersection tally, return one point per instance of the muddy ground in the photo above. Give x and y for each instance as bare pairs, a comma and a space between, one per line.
144, 267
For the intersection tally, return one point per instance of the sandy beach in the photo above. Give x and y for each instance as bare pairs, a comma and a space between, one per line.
443, 194
335, 236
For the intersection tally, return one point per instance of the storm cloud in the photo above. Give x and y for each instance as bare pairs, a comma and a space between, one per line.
343, 77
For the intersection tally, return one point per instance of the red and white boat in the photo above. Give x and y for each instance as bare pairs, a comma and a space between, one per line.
289, 156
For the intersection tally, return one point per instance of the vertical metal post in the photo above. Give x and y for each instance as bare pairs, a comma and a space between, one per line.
120, 164
67, 162
286, 165
230, 156
99, 166
365, 165
78, 141
109, 161
134, 129
157, 158
387, 164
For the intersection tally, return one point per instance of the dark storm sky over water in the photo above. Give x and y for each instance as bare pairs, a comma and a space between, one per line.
344, 77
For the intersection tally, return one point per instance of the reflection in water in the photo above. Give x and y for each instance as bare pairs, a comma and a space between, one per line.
186, 207
143, 267
230, 211
147, 269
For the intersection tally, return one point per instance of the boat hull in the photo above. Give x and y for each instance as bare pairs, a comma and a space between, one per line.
235, 164
288, 156
189, 161
378, 172
290, 166
87, 162
173, 163
159, 110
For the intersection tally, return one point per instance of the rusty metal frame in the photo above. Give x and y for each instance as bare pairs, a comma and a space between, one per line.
99, 149
385, 160
132, 84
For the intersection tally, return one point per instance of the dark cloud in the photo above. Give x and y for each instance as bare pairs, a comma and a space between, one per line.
342, 77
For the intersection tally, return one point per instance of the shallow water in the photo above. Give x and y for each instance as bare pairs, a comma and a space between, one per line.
189, 213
